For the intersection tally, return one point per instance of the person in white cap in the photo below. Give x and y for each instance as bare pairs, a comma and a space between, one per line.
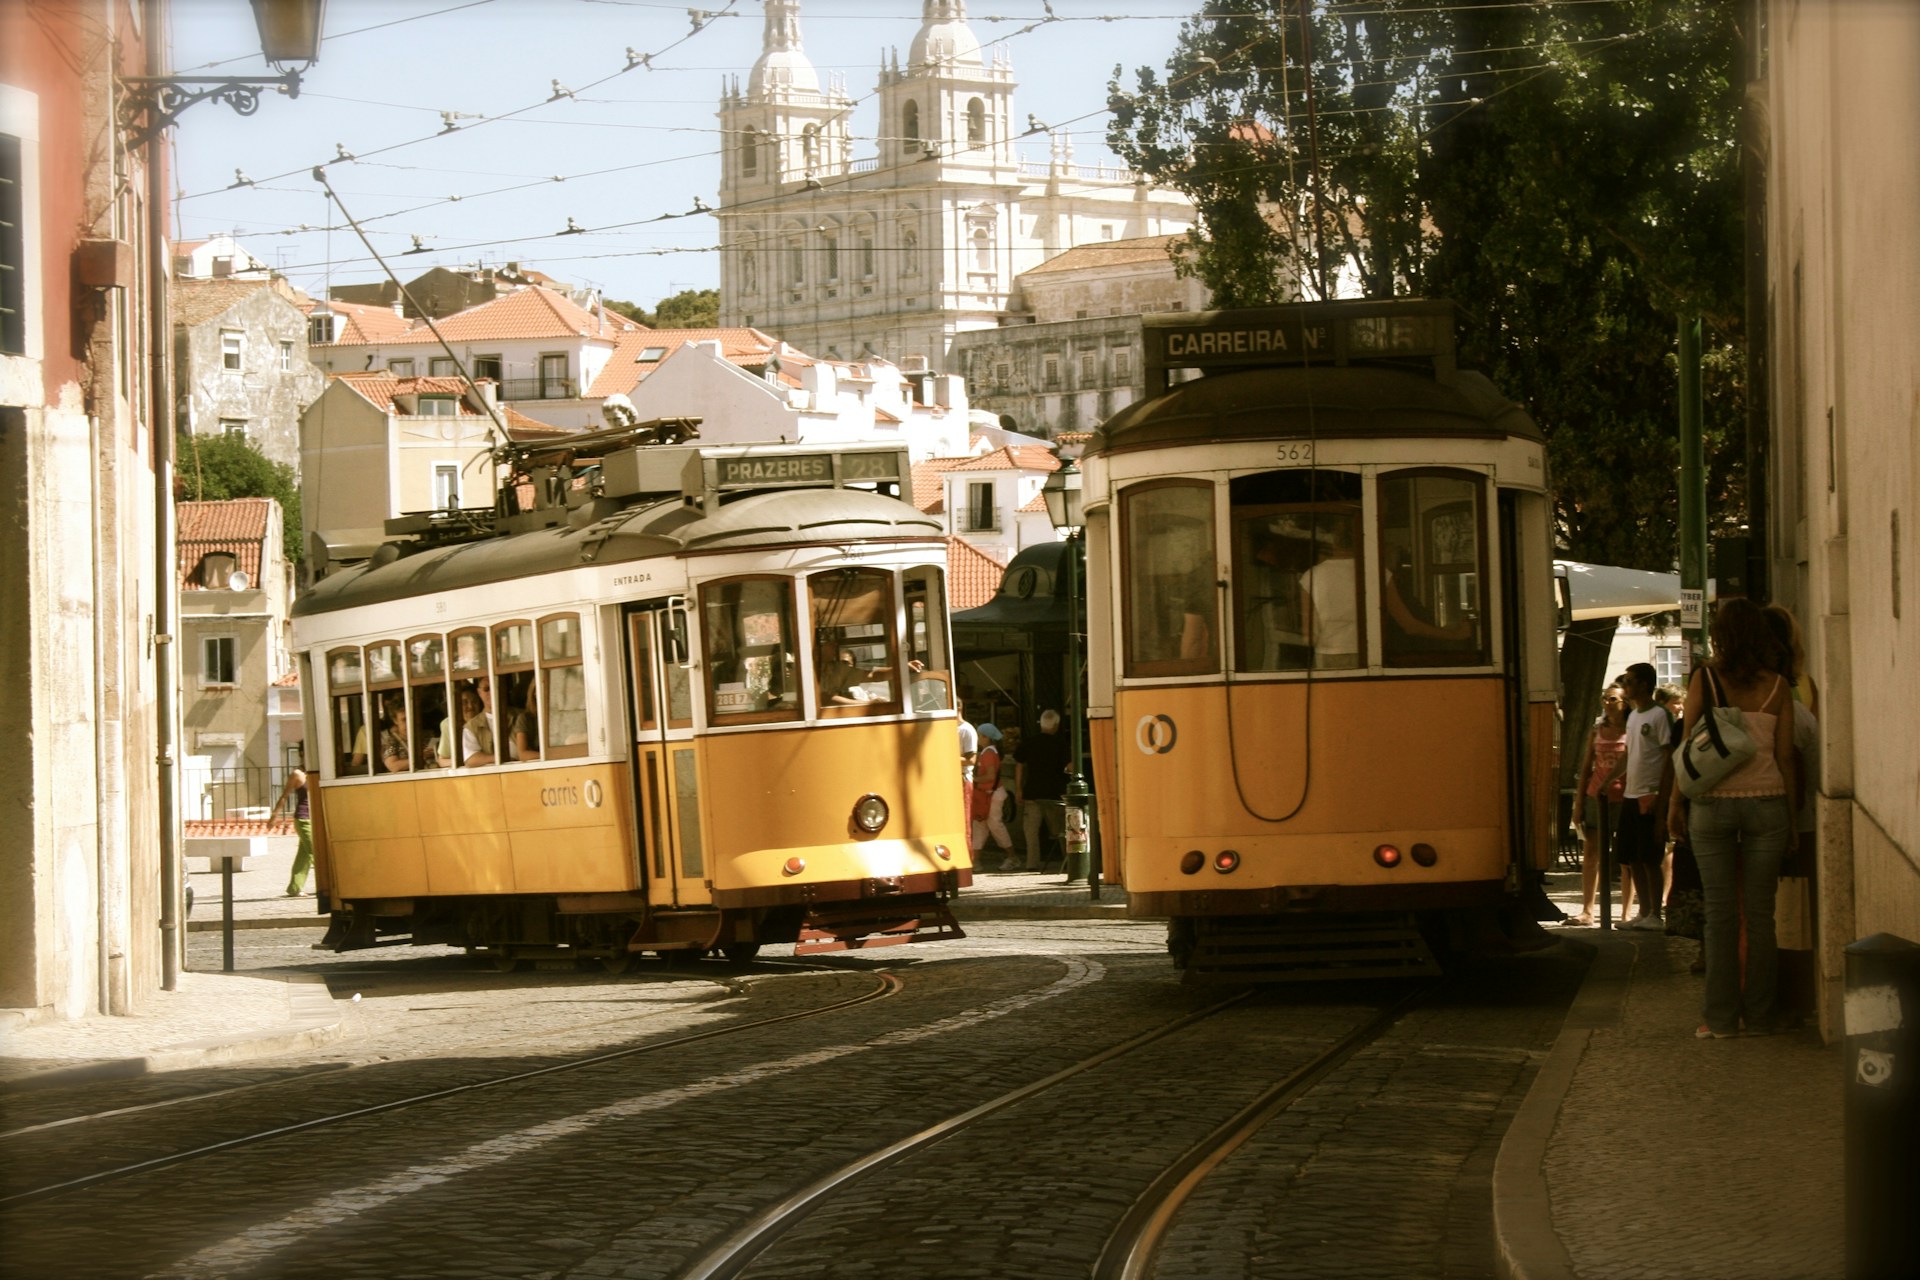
989, 798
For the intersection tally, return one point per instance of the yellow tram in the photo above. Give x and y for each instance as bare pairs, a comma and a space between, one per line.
1322, 662
692, 698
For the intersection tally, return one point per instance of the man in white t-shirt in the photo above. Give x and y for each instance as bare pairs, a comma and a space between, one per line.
1641, 842
1329, 601
969, 749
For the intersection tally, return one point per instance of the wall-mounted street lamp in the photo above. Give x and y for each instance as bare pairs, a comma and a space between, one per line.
290, 39
1061, 493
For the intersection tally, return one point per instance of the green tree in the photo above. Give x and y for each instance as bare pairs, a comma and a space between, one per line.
210, 468
1567, 175
687, 309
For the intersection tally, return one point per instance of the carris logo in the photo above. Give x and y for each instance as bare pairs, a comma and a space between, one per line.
1155, 735
559, 797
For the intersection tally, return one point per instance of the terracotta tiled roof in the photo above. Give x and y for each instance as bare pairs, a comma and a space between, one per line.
363, 322
973, 576
524, 313
881, 415
624, 368
929, 491
291, 680
1037, 503
198, 301
216, 828
380, 387
1025, 457
521, 427
1073, 437
235, 527
1108, 253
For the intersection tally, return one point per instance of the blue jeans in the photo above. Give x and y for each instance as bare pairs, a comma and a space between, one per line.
1739, 843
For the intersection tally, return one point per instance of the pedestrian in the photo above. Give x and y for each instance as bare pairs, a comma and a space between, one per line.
1640, 842
296, 789
1040, 787
1743, 828
969, 752
1006, 806
1602, 787
1794, 916
988, 794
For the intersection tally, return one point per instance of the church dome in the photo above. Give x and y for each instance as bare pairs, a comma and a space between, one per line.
945, 39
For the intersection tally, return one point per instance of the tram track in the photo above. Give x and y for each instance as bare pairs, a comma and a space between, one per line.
885, 986
1135, 1238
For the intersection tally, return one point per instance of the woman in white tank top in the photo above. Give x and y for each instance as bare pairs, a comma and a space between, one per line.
1742, 829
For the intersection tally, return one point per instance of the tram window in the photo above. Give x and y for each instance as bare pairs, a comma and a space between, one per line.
352, 751
1169, 547
856, 665
1432, 588
427, 686
517, 697
747, 641
563, 687
386, 681
461, 739
930, 688
1286, 525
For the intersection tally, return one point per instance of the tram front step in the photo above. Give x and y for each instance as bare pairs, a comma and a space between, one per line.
856, 928
1327, 948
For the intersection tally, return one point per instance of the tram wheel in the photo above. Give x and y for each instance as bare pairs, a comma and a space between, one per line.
740, 953
504, 961
618, 963
683, 957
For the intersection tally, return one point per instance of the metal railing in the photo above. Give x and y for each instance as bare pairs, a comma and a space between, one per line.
242, 793
538, 389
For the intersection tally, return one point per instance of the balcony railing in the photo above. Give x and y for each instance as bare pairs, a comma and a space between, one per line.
539, 389
238, 794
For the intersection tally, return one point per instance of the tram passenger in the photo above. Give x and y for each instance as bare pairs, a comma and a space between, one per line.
476, 724
1329, 600
1408, 623
395, 754
523, 735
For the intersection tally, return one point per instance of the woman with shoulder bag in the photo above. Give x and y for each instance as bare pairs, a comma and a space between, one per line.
1603, 779
1743, 827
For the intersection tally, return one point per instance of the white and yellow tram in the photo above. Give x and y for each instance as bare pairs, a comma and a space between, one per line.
708, 705
1321, 636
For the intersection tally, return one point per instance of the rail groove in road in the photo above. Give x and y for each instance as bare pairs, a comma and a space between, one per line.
737, 1252
886, 985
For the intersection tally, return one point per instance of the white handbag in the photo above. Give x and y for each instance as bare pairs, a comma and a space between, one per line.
1716, 748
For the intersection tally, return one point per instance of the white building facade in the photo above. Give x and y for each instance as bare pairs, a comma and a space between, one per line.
892, 254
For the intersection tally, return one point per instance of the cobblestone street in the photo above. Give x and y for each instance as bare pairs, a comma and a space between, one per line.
556, 1122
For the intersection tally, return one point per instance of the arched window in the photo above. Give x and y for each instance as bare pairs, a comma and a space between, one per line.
982, 249
910, 125
976, 121
750, 152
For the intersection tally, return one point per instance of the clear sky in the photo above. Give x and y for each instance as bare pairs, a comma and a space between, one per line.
636, 145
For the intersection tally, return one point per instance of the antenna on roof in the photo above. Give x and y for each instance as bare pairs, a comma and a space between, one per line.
502, 443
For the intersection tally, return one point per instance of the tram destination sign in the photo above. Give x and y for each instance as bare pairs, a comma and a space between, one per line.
762, 471
1308, 333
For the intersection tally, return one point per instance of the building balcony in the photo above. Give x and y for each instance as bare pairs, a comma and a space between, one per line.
539, 389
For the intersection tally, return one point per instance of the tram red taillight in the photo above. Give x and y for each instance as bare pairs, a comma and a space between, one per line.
1191, 861
793, 866
1387, 855
1424, 854
943, 853
1226, 860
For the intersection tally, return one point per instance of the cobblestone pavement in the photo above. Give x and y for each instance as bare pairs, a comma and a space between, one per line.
1683, 1159
632, 1167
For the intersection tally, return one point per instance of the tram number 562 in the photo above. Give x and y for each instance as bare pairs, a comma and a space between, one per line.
1297, 453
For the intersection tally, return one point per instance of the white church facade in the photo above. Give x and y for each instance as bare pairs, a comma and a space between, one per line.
892, 254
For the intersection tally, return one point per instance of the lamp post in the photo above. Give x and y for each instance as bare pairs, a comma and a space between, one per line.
289, 33
1062, 496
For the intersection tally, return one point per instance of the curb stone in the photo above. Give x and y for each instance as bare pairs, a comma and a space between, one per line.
1526, 1246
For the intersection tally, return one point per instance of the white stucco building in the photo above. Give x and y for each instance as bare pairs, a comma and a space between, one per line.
894, 253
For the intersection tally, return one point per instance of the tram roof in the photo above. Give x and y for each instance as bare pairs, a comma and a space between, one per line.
1330, 401
666, 528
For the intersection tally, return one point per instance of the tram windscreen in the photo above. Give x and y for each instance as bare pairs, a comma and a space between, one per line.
1170, 595
856, 667
1296, 570
930, 683
747, 641
1432, 548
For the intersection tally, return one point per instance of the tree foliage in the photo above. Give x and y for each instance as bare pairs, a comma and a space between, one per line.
687, 309
210, 468
1567, 175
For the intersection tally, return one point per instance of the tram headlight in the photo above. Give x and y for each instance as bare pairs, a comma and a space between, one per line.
1225, 861
1424, 854
870, 813
1191, 861
1387, 855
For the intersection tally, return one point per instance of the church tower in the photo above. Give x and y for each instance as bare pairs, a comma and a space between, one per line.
948, 107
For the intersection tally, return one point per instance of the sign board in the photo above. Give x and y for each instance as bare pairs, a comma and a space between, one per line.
1401, 330
1693, 607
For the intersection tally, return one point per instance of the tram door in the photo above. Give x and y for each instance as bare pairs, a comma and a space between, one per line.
665, 774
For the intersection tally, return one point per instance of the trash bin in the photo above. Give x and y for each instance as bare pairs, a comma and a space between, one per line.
1882, 1107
